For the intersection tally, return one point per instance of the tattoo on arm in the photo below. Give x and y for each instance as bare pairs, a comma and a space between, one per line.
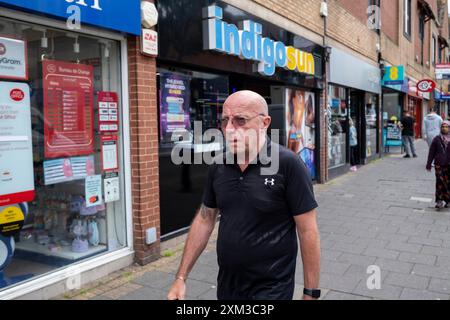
208, 213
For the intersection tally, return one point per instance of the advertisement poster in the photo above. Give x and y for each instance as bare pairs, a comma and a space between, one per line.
174, 105
300, 126
16, 149
110, 158
13, 59
112, 187
68, 169
11, 220
68, 108
108, 111
93, 190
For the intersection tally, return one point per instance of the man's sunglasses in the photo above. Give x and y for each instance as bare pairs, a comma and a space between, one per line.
238, 121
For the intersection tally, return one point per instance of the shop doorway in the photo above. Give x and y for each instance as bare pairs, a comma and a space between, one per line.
357, 153
415, 108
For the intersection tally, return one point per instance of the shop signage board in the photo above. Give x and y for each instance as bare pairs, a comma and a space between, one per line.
445, 96
426, 85
249, 44
16, 149
13, 59
174, 105
394, 75
101, 13
108, 111
68, 109
442, 71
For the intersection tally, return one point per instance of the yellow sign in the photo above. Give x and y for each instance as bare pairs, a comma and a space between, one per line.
11, 220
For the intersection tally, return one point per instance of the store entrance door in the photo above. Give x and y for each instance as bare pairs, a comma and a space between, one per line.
357, 154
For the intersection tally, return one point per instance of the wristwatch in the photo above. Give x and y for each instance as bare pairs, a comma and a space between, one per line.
315, 293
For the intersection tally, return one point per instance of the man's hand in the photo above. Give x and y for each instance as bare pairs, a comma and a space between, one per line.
177, 291
306, 297
201, 229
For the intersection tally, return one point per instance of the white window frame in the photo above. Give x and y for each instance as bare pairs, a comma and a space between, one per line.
71, 270
407, 27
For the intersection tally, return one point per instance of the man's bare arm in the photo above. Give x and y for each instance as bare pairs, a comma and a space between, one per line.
308, 235
199, 234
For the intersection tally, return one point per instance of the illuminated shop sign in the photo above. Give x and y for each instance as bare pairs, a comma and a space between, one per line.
248, 43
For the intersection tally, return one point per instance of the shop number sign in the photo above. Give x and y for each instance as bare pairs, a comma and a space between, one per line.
426, 85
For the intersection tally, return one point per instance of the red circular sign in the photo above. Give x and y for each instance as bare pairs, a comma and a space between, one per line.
17, 94
2, 49
426, 85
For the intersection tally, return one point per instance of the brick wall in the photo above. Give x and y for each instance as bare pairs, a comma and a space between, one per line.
390, 17
350, 28
144, 150
356, 8
303, 12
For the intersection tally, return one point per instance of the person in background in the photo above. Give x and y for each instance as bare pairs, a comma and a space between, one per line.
432, 125
439, 153
407, 127
353, 145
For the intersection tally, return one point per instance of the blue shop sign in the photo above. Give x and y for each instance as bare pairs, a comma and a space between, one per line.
394, 75
108, 14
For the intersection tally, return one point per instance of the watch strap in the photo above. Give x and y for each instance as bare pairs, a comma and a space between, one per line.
315, 293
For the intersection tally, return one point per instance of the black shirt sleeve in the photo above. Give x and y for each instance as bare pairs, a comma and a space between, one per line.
209, 195
299, 190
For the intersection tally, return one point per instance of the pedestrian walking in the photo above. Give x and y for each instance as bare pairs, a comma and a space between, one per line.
407, 126
261, 215
432, 125
353, 145
440, 153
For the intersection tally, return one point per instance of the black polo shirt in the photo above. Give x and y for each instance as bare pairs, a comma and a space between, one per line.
257, 240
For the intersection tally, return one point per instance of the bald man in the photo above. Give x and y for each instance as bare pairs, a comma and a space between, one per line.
261, 215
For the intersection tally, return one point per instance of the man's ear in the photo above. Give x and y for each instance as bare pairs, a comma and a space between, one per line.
267, 122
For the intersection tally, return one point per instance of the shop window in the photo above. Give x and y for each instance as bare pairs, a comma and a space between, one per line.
74, 95
187, 100
371, 124
337, 127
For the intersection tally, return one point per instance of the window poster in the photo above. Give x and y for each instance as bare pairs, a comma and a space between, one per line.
108, 111
110, 160
13, 59
112, 187
68, 109
300, 126
16, 149
93, 190
174, 106
68, 169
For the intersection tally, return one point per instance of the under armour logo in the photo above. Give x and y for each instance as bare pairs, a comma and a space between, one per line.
269, 181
